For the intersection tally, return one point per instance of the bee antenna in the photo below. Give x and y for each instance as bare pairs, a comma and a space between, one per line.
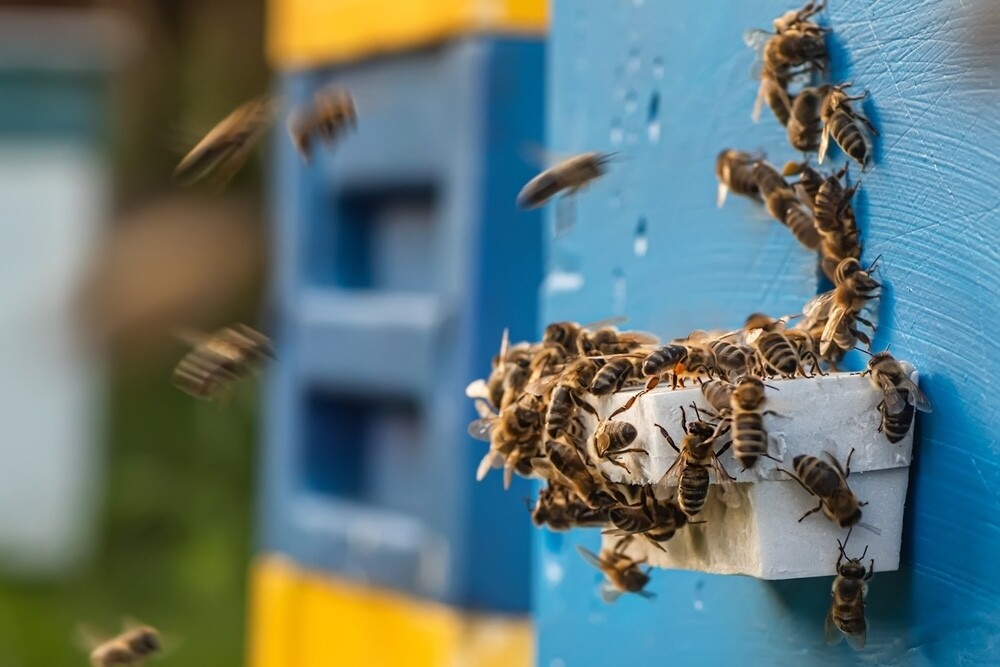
864, 553
859, 349
771, 386
871, 267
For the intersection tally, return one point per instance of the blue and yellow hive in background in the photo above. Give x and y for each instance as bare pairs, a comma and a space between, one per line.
399, 259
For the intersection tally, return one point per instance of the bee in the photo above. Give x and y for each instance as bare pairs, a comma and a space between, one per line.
571, 469
854, 288
719, 395
654, 519
734, 169
219, 360
559, 509
567, 395
806, 348
694, 458
331, 114
734, 359
513, 434
608, 341
611, 439
623, 574
835, 222
828, 482
783, 204
133, 647
795, 19
843, 124
797, 43
805, 125
614, 375
509, 376
679, 358
774, 349
846, 617
749, 436
900, 395
569, 175
227, 145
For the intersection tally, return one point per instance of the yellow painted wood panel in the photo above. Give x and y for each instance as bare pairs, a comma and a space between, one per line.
308, 619
303, 33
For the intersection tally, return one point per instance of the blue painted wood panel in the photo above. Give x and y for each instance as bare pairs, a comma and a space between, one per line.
667, 85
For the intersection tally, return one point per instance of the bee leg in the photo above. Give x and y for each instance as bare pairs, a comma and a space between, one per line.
812, 511
774, 414
801, 483
847, 465
666, 435
586, 406
871, 570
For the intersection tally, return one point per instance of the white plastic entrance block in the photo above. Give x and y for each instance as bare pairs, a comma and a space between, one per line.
756, 530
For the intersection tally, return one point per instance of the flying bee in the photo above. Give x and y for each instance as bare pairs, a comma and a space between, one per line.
133, 647
844, 125
828, 482
227, 145
784, 205
559, 509
570, 175
749, 436
854, 288
329, 116
695, 457
900, 395
805, 125
220, 360
768, 338
846, 617
734, 169
623, 574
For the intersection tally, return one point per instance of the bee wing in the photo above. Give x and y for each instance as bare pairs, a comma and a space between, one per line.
824, 143
831, 633
916, 397
894, 404
565, 214
504, 345
591, 557
720, 197
830, 330
484, 409
480, 429
490, 461
606, 322
508, 475
857, 640
87, 638
609, 593
758, 104
756, 38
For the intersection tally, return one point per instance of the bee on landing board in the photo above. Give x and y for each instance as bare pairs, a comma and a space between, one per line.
227, 145
220, 360
695, 457
900, 395
846, 617
828, 482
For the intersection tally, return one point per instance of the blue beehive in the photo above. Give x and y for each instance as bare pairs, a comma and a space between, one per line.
667, 85
400, 259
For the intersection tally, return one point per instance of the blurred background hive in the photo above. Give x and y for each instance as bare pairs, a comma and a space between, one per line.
399, 258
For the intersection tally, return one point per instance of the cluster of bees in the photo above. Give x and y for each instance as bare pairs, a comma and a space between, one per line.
218, 361
536, 410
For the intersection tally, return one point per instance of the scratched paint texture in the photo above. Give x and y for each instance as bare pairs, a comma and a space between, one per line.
667, 85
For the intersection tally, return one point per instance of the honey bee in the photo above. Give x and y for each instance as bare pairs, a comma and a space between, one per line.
900, 395
559, 509
749, 436
828, 482
623, 574
219, 360
570, 175
854, 288
513, 434
734, 169
784, 205
680, 358
608, 341
846, 617
796, 42
768, 338
227, 145
694, 458
611, 439
805, 125
655, 520
835, 222
843, 124
732, 358
719, 395
614, 375
509, 376
331, 113
573, 471
567, 395
133, 647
